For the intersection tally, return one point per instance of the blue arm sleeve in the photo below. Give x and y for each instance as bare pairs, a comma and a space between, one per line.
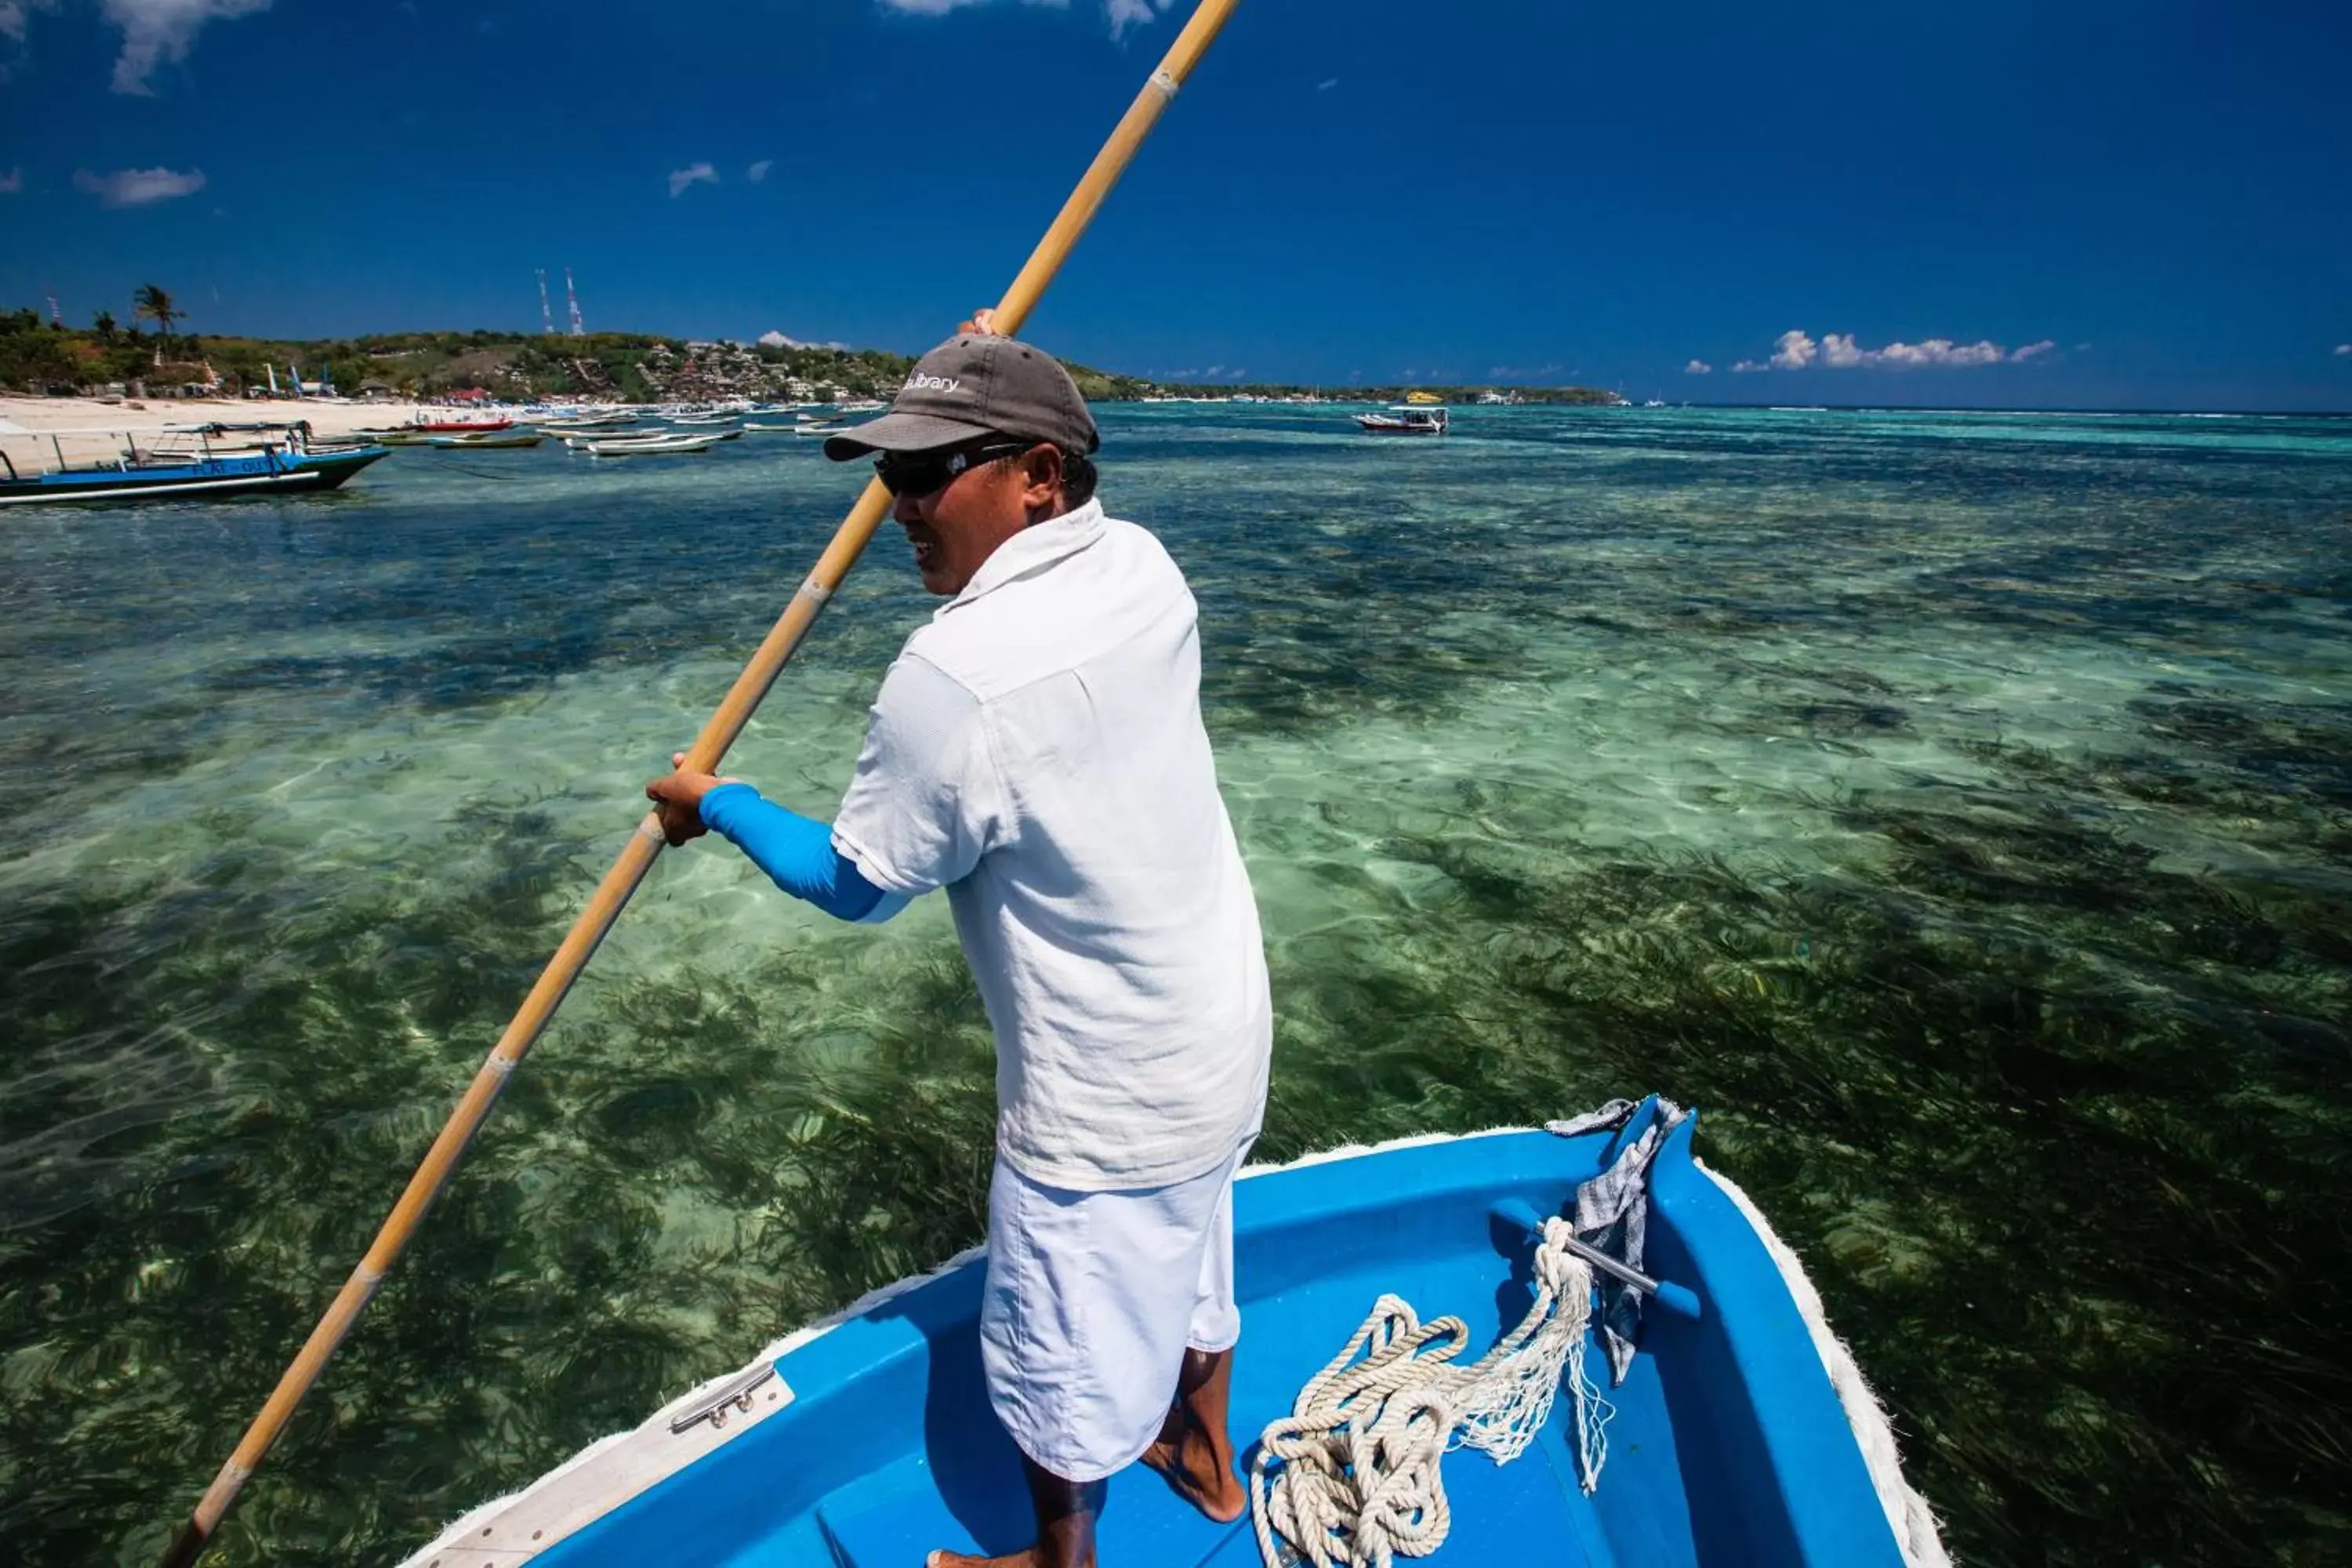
797, 853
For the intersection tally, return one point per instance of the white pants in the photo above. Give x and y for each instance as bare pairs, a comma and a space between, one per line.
1092, 1301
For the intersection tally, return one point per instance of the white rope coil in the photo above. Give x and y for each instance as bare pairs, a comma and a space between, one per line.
1351, 1478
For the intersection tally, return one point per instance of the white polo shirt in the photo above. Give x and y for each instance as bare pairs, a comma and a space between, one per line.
1037, 751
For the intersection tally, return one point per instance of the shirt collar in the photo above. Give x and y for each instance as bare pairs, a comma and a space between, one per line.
1030, 550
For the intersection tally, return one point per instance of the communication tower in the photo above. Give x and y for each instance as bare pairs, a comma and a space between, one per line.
572, 298
546, 316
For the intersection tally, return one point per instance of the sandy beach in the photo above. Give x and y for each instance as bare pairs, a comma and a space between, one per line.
26, 422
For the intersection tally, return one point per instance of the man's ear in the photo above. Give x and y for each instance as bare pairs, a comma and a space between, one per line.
1041, 474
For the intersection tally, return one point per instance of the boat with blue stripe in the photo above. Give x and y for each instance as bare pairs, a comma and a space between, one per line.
190, 461
1738, 1432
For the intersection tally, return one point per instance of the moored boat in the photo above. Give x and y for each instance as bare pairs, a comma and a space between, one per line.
459, 427
1734, 1429
1405, 419
585, 426
193, 462
649, 446
488, 439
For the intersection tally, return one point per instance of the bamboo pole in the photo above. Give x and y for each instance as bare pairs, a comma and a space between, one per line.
710, 747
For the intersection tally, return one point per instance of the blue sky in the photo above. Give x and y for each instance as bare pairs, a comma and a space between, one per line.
1375, 190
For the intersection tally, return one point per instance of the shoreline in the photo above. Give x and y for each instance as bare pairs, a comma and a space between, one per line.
98, 424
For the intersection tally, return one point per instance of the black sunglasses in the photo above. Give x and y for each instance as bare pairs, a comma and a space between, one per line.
921, 474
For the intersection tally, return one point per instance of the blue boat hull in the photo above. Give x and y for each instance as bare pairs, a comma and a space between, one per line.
223, 478
875, 1443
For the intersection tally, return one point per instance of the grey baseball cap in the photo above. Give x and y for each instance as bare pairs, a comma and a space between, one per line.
971, 387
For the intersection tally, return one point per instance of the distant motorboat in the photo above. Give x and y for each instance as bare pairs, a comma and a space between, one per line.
1405, 419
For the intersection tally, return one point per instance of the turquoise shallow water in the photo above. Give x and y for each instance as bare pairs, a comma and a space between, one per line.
1957, 808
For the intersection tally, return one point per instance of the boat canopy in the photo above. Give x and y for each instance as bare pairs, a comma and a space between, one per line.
215, 429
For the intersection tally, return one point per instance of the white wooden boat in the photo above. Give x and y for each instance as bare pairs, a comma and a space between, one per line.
651, 445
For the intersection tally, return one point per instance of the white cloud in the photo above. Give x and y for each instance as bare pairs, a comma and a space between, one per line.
1698, 367
1326, 84
778, 340
692, 174
1939, 352
1125, 14
1121, 14
2343, 350
758, 170
15, 13
139, 187
155, 31
1793, 350
1839, 350
11, 181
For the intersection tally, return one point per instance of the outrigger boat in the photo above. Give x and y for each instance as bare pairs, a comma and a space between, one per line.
489, 438
1738, 1431
586, 426
191, 463
1404, 419
649, 446
459, 427
579, 440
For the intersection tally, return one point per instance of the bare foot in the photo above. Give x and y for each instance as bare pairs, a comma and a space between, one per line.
1198, 1473
1027, 1559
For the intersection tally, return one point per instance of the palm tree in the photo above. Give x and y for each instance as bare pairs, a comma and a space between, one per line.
103, 323
156, 306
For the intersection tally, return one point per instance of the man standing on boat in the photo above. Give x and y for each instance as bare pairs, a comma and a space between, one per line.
1037, 751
